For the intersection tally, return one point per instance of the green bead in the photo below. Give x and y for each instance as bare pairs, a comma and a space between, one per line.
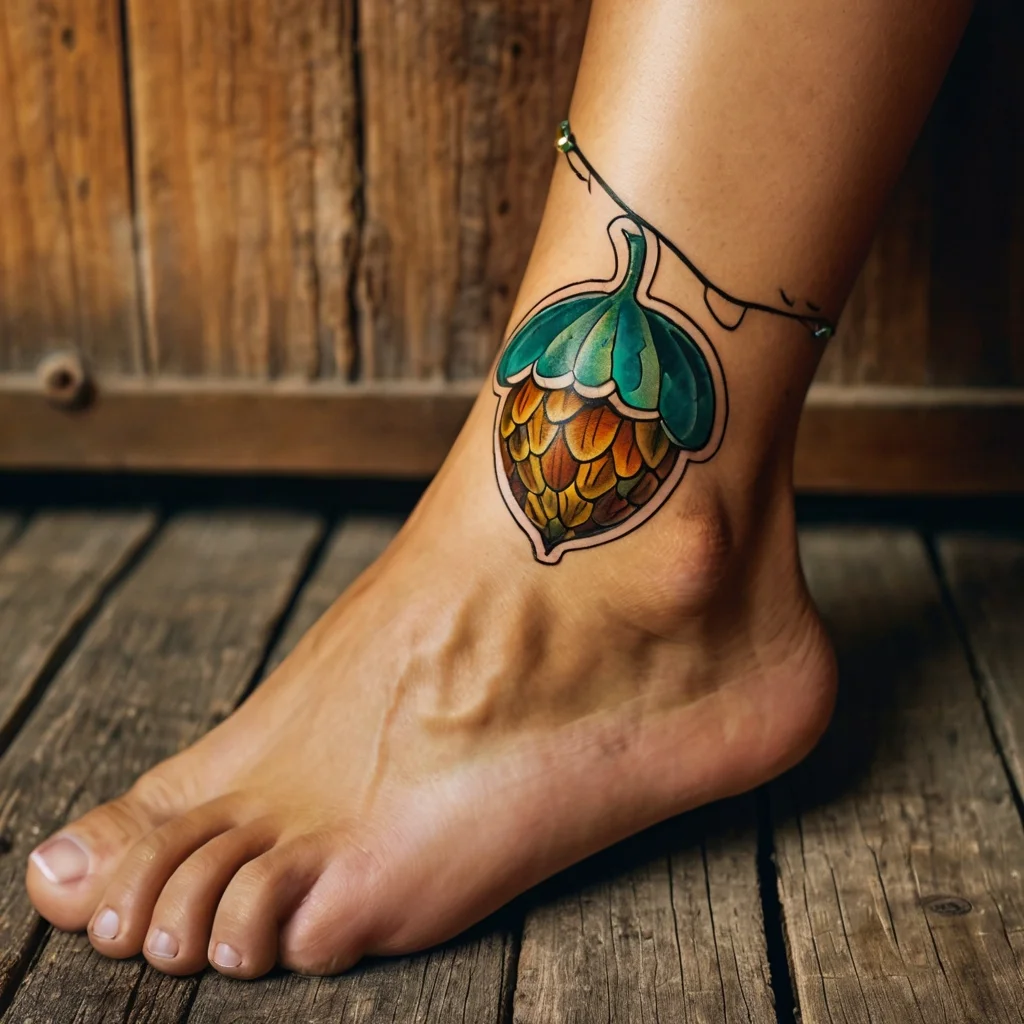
564, 142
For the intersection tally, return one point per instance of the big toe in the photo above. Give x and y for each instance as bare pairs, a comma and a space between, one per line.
67, 873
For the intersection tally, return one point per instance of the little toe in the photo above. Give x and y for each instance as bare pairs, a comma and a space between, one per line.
125, 908
244, 938
67, 873
340, 917
179, 934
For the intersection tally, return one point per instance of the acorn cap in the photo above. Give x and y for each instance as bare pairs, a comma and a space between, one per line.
607, 344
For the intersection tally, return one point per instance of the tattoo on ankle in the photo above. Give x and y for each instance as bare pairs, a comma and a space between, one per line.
608, 392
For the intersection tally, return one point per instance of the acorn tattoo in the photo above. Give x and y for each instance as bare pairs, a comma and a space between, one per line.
606, 394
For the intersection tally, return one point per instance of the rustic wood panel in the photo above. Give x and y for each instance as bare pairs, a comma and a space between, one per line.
246, 173
173, 651
50, 581
873, 440
460, 100
898, 844
67, 271
670, 930
986, 580
349, 189
977, 308
402, 429
910, 440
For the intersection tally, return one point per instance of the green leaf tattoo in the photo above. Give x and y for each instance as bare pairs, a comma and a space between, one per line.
605, 344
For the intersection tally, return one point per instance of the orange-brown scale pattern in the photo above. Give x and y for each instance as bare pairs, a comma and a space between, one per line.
577, 466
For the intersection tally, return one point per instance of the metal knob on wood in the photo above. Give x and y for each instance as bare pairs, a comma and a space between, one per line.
64, 379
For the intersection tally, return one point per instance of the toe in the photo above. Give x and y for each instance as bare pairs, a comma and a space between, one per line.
340, 917
263, 893
178, 939
125, 908
67, 874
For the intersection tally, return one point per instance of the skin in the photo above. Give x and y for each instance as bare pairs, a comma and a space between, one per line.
464, 721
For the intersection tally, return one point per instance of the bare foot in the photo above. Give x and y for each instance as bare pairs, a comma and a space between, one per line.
466, 721
463, 723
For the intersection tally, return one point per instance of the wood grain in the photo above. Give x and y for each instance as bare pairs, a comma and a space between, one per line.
50, 581
665, 927
898, 844
67, 269
349, 188
985, 575
460, 104
245, 131
910, 441
171, 653
402, 429
867, 440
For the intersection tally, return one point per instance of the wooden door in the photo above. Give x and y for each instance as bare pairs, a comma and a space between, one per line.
284, 235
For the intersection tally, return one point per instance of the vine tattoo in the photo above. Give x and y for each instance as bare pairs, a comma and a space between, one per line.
607, 392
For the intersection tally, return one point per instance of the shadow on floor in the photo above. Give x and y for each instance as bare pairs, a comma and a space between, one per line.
337, 496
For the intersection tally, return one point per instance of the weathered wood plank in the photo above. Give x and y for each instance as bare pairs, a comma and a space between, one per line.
898, 844
282, 427
465, 981
880, 440
49, 582
670, 929
950, 441
986, 580
460, 103
245, 130
173, 650
67, 265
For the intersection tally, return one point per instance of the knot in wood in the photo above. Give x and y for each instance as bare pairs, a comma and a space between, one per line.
947, 906
64, 379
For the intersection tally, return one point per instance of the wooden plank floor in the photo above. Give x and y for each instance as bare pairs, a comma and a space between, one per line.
880, 881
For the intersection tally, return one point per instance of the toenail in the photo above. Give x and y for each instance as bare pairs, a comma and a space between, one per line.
63, 859
106, 924
162, 944
225, 956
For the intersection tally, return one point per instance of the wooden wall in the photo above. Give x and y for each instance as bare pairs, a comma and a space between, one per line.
284, 235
